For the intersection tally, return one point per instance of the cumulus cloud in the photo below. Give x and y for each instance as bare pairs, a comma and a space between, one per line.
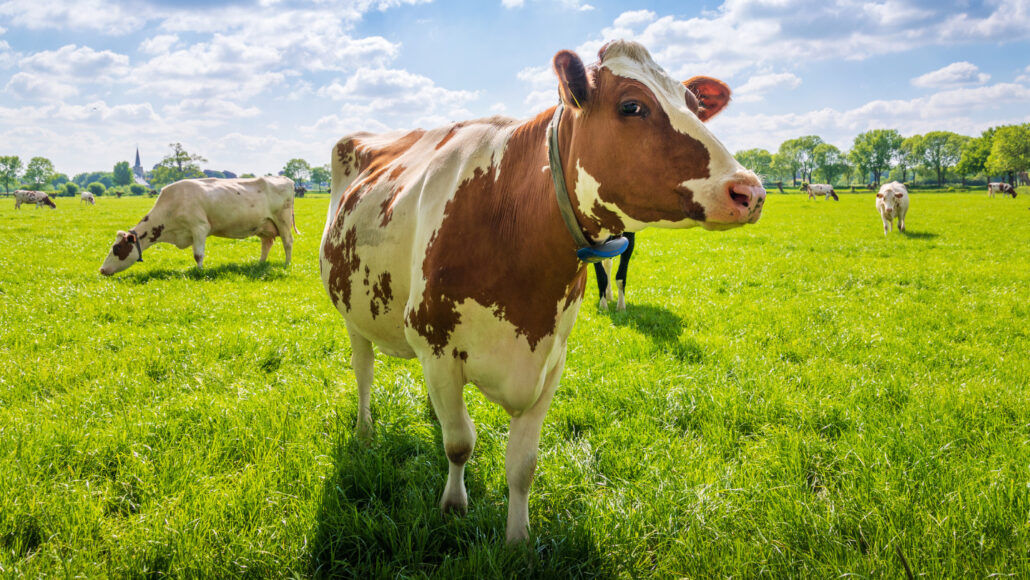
513, 3
398, 93
104, 17
210, 109
568, 4
77, 62
159, 44
756, 86
32, 87
955, 74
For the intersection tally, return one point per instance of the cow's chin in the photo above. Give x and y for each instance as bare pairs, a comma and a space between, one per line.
720, 226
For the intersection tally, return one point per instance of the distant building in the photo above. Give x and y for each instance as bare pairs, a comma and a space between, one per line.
138, 173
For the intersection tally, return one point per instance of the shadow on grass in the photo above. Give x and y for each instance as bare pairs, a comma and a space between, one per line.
660, 325
919, 235
379, 518
254, 270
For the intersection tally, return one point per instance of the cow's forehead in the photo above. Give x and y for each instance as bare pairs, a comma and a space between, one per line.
638, 65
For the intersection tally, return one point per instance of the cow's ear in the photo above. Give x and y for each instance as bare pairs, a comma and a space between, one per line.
879, 195
712, 94
121, 235
573, 83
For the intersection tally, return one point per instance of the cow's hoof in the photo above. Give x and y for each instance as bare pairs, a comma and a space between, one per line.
602, 305
454, 506
519, 535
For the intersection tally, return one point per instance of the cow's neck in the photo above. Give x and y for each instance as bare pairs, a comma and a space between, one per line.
151, 229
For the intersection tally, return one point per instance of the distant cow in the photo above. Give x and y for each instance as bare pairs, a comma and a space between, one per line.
37, 197
603, 271
189, 211
891, 202
823, 189
1003, 188
87, 197
299, 191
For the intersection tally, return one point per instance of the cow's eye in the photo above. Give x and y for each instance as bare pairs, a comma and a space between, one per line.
632, 109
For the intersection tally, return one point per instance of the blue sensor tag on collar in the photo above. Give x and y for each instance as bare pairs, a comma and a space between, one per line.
603, 251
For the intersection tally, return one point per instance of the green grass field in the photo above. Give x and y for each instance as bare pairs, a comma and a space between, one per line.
803, 397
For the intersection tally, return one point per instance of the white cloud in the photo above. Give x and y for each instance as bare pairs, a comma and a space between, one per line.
513, 3
955, 74
398, 93
756, 86
568, 4
210, 109
77, 62
32, 87
101, 16
159, 44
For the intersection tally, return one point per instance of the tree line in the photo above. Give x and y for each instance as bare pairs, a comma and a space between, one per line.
998, 151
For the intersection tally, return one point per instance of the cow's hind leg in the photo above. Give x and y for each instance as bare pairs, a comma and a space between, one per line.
602, 271
446, 391
362, 358
199, 240
520, 459
266, 246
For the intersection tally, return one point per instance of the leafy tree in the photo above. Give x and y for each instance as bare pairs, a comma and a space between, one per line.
1010, 150
757, 160
797, 155
39, 172
975, 153
908, 156
247, 176
298, 170
10, 169
941, 150
180, 164
137, 189
84, 179
829, 162
122, 174
71, 188
873, 151
59, 180
321, 175
96, 188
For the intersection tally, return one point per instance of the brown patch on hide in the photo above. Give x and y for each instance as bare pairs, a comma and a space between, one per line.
343, 263
576, 289
382, 294
374, 164
450, 135
464, 356
470, 255
123, 247
639, 161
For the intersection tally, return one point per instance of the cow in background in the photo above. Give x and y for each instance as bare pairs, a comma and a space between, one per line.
603, 270
299, 191
823, 189
87, 197
891, 202
189, 211
29, 196
1002, 188
449, 245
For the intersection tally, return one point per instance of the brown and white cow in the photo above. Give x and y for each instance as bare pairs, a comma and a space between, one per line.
87, 198
188, 211
448, 245
29, 196
823, 189
891, 202
1000, 187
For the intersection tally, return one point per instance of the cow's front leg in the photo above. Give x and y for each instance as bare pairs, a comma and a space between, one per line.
520, 459
199, 239
363, 360
446, 391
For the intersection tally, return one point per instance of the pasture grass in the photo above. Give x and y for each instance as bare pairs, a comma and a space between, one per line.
803, 397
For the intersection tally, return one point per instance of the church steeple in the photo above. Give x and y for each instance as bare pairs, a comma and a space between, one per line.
137, 170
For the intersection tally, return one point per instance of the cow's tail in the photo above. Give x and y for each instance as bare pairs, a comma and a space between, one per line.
293, 217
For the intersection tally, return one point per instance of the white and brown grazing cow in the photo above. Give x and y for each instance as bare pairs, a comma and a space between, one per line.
188, 211
29, 196
823, 189
449, 245
1000, 187
87, 197
891, 202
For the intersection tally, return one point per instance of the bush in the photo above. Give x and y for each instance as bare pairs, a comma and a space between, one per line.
71, 188
137, 189
96, 188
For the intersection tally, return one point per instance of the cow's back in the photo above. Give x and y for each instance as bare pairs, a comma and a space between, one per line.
233, 208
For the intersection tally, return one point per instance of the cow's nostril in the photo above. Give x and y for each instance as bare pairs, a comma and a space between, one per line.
740, 198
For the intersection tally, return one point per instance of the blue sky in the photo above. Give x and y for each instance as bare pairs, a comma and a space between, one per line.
250, 84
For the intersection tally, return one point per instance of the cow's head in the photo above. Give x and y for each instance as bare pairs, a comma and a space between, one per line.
124, 253
49, 202
639, 152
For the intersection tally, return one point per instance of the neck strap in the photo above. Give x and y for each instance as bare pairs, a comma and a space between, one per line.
135, 238
586, 251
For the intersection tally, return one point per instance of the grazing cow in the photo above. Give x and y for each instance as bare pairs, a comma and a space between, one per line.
823, 189
603, 270
29, 196
189, 211
87, 197
891, 202
1003, 188
299, 191
458, 245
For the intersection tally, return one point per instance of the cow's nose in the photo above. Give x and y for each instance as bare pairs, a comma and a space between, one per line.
104, 272
746, 195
